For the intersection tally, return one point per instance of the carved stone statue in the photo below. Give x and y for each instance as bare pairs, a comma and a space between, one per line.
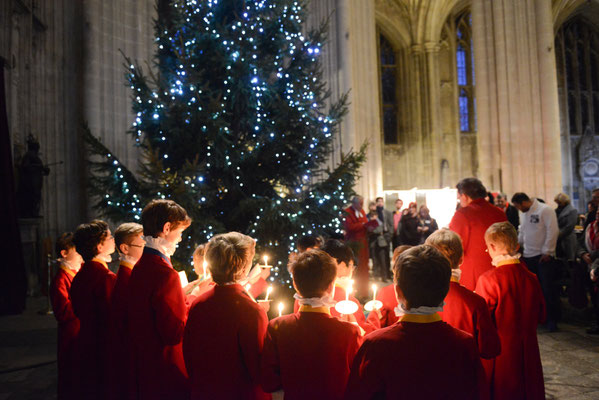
31, 179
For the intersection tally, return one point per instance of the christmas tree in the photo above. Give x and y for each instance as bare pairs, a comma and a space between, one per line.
234, 125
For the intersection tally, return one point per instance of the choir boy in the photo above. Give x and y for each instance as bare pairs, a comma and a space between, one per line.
90, 294
464, 309
420, 357
308, 354
225, 330
344, 259
129, 244
156, 311
68, 323
385, 316
513, 295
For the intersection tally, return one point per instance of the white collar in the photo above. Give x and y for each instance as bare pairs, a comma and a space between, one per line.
162, 245
127, 259
400, 310
324, 301
502, 257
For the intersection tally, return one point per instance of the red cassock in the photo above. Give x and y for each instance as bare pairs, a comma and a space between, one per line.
356, 236
386, 314
468, 311
359, 315
471, 223
222, 344
68, 329
119, 357
420, 357
90, 294
514, 297
156, 317
308, 354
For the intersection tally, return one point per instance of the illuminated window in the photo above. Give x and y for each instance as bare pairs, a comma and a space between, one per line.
465, 73
389, 103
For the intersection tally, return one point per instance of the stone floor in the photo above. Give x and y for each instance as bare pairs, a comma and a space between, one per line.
28, 357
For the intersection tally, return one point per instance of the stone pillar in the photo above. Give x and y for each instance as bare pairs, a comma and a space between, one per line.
516, 95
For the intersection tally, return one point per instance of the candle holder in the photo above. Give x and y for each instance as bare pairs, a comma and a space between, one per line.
373, 305
346, 307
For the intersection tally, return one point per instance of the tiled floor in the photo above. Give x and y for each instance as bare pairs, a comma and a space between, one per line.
570, 358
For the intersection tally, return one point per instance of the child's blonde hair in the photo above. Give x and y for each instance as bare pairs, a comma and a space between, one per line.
503, 233
449, 244
229, 256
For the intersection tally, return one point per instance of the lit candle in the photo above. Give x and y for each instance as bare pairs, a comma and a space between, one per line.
373, 292
265, 261
349, 289
268, 293
204, 266
281, 306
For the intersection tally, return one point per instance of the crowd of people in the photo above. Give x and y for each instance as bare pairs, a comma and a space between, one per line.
462, 310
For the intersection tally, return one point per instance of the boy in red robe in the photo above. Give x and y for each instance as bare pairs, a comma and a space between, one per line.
463, 308
344, 259
225, 330
385, 316
513, 295
308, 354
68, 323
471, 221
130, 244
156, 311
420, 357
90, 294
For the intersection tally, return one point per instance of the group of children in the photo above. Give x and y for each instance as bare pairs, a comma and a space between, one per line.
141, 335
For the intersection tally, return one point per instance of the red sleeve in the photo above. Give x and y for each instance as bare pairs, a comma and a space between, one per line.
489, 345
364, 379
485, 288
251, 341
170, 311
258, 287
352, 224
61, 299
104, 296
481, 390
354, 347
459, 224
360, 318
296, 306
270, 376
374, 319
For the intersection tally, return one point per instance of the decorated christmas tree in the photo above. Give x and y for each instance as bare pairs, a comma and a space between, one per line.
235, 125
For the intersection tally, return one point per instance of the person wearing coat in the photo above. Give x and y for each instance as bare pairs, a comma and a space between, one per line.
567, 217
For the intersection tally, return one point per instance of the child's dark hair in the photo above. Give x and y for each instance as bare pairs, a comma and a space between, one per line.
422, 273
309, 241
313, 272
64, 242
338, 250
87, 237
158, 212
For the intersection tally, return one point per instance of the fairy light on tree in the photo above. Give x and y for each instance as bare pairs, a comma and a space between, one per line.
234, 125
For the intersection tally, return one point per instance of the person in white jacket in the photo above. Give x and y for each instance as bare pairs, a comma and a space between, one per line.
538, 234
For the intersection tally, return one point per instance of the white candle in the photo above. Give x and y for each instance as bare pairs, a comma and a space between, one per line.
281, 306
268, 293
204, 266
265, 261
373, 292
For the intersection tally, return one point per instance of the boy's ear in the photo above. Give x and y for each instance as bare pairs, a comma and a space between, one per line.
64, 253
166, 228
124, 248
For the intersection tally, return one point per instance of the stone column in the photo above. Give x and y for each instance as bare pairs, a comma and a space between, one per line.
516, 95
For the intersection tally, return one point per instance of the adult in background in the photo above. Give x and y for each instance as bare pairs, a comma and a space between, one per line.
510, 211
567, 217
471, 221
426, 223
592, 210
356, 226
383, 241
590, 255
409, 233
397, 222
538, 235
